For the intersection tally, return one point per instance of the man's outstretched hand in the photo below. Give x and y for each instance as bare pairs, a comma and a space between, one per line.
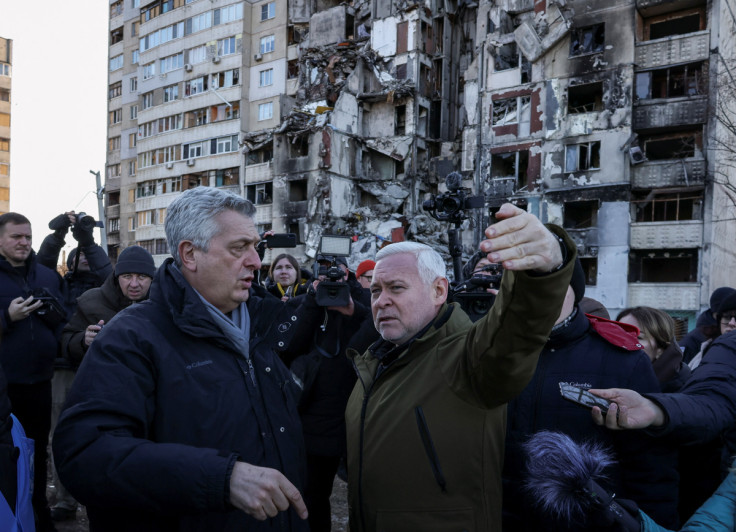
263, 492
628, 410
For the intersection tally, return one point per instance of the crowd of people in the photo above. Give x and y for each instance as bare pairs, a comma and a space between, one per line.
192, 396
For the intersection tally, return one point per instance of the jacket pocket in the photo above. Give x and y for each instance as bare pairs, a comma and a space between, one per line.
451, 520
434, 460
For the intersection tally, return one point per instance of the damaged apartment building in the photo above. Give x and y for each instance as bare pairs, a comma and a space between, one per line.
343, 117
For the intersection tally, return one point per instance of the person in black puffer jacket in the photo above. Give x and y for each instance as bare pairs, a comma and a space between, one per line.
286, 279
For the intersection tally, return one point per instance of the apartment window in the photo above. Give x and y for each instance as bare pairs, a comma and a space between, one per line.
673, 145
226, 46
169, 123
4, 144
667, 206
224, 79
267, 44
116, 62
4, 169
268, 11
198, 117
133, 112
136, 3
162, 247
149, 70
671, 24
113, 143
113, 225
663, 266
292, 69
266, 77
580, 214
511, 166
195, 149
195, 86
298, 190
172, 62
506, 111
132, 167
259, 193
131, 222
112, 170
260, 156
134, 28
228, 14
116, 8
224, 112
265, 111
116, 116
685, 80
4, 95
134, 57
132, 140
145, 218
147, 100
116, 35
144, 190
133, 84
197, 54
115, 90
587, 40
113, 198
586, 156
227, 177
225, 144
585, 98
198, 23
171, 93
299, 146
4, 119
5, 69
171, 185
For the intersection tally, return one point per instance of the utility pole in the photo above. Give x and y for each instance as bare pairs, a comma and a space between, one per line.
100, 193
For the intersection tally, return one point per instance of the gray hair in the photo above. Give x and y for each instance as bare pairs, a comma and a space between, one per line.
192, 216
429, 263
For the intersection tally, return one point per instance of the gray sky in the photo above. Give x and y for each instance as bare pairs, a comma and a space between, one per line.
59, 106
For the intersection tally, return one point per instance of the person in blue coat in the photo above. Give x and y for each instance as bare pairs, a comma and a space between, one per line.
182, 416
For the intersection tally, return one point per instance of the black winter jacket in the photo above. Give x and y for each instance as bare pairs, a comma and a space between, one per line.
162, 406
101, 303
28, 346
578, 355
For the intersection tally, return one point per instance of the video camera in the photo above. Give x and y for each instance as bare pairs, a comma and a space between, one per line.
450, 206
472, 294
332, 292
87, 222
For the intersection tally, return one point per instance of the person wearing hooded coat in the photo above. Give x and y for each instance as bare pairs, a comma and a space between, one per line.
587, 351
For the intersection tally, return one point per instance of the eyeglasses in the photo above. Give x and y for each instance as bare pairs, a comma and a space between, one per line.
726, 317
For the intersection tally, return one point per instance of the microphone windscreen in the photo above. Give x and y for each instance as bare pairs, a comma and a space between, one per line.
559, 471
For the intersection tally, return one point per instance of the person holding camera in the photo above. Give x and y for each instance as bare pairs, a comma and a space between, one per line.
31, 330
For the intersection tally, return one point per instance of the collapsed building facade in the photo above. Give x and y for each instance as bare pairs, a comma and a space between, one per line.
599, 116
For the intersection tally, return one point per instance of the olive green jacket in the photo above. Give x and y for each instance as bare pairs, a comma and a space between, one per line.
426, 438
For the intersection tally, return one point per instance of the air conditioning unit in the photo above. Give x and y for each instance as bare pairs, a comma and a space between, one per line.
258, 57
216, 59
188, 67
190, 162
636, 155
169, 165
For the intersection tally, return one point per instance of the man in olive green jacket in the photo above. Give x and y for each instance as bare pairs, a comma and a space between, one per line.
426, 419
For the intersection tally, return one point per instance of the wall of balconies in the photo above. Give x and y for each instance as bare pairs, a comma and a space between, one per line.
670, 113
672, 50
258, 173
670, 296
670, 173
663, 235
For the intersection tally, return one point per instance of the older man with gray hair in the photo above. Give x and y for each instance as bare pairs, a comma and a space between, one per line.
426, 419
181, 417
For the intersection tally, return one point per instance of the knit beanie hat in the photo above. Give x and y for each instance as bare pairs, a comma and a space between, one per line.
365, 266
728, 303
706, 319
135, 259
718, 297
578, 281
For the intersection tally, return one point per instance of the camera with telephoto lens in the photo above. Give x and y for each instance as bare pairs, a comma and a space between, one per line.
472, 294
50, 311
332, 292
451, 205
86, 221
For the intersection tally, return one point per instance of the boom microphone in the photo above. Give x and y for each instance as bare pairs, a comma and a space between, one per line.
563, 477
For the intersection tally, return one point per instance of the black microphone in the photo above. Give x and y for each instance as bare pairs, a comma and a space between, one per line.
563, 476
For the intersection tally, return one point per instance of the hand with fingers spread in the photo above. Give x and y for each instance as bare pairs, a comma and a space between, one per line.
263, 492
521, 242
20, 308
628, 410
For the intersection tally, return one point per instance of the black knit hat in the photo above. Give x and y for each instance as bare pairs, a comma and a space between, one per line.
135, 259
578, 281
727, 303
718, 296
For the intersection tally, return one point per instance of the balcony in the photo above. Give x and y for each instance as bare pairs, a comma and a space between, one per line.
670, 113
586, 240
112, 211
672, 50
670, 296
264, 214
258, 173
666, 235
669, 173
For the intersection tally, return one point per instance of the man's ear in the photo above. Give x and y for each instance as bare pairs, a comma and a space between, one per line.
440, 289
187, 256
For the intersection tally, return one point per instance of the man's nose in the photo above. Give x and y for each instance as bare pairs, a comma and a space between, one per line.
252, 260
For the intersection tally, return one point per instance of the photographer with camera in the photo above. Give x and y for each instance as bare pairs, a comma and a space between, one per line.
31, 329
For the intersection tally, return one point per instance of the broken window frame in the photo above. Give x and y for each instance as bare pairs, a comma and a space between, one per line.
586, 155
520, 167
298, 190
690, 145
260, 193
580, 214
587, 40
669, 17
260, 156
667, 206
580, 91
693, 78
663, 265
116, 35
510, 111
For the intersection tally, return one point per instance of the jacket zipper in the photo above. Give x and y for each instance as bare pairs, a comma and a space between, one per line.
429, 448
